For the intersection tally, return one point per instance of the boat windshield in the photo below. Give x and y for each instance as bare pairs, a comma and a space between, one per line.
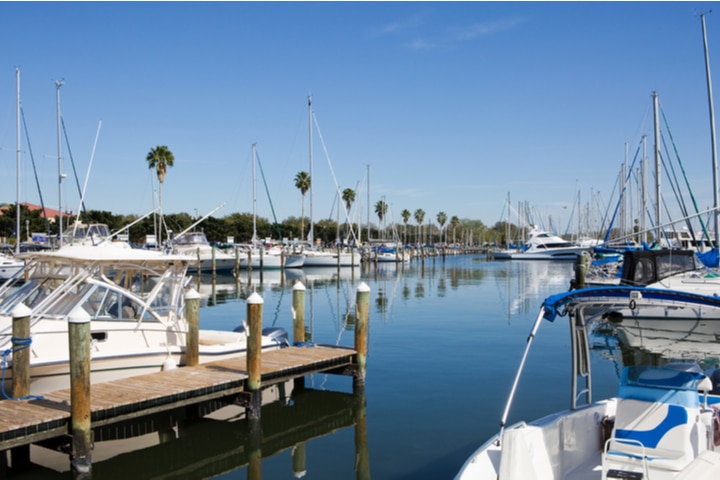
30, 293
194, 238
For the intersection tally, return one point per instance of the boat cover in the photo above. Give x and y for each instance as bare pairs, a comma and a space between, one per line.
554, 304
710, 259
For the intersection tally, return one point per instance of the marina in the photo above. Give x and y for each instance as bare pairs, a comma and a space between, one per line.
427, 318
445, 335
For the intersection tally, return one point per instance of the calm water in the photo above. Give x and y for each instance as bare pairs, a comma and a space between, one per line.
445, 341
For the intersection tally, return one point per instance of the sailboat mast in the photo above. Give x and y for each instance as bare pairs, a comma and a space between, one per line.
17, 190
254, 160
368, 202
311, 233
657, 167
59, 84
712, 134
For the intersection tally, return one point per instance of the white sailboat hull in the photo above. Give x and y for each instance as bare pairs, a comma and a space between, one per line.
331, 259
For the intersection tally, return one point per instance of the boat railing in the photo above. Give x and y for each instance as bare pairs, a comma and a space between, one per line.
511, 397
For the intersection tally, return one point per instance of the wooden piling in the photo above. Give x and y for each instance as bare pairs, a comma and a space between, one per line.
21, 373
21, 351
580, 269
362, 310
79, 343
199, 262
254, 349
213, 260
192, 339
298, 311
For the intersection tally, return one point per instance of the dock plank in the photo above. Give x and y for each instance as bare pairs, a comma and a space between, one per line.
28, 421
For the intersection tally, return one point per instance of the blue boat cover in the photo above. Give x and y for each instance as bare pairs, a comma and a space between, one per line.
710, 259
554, 304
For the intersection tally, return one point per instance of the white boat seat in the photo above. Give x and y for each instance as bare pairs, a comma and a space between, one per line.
656, 422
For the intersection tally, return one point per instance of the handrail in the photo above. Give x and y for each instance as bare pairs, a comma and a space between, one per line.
530, 338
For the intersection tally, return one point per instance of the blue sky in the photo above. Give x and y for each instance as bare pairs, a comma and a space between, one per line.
453, 106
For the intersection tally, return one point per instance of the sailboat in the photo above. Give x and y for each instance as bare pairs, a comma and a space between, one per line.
313, 256
272, 257
10, 266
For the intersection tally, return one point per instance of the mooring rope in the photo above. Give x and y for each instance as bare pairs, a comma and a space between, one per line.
19, 343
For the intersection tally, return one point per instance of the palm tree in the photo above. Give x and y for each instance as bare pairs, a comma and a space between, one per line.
348, 196
454, 221
419, 217
380, 210
160, 158
405, 214
442, 218
302, 182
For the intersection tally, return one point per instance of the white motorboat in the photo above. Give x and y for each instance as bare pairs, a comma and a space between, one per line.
324, 258
663, 423
195, 247
135, 299
268, 257
9, 266
542, 245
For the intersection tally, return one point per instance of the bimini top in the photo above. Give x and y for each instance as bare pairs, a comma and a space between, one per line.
615, 297
105, 252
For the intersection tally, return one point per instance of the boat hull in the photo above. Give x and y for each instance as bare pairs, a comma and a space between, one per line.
552, 453
329, 259
52, 373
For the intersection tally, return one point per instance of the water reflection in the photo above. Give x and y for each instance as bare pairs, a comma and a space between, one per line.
212, 439
656, 342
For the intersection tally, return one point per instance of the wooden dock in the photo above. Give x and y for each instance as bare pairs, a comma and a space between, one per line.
30, 421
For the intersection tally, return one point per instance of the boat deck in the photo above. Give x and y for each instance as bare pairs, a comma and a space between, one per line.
29, 421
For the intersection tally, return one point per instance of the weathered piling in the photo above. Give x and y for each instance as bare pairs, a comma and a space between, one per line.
21, 372
580, 269
254, 349
237, 260
213, 260
21, 351
298, 311
192, 339
362, 310
199, 262
79, 343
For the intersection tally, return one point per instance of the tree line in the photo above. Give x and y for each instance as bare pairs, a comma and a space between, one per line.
240, 225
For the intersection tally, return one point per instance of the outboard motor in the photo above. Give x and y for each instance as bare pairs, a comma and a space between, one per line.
278, 335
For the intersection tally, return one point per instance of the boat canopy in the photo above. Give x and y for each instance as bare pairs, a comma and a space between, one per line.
607, 297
